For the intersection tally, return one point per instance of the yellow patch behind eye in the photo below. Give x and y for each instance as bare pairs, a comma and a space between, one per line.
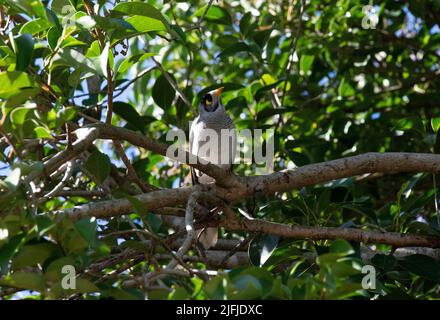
208, 102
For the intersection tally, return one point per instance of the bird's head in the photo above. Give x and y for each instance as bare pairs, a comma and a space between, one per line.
211, 101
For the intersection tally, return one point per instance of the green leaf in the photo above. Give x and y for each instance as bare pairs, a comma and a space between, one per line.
84, 21
25, 280
71, 42
306, 63
178, 294
261, 249
18, 115
341, 246
29, 166
44, 224
65, 114
154, 222
54, 269
215, 288
270, 112
226, 40
13, 82
140, 9
345, 89
128, 113
420, 227
267, 79
261, 37
98, 164
422, 265
8, 250
74, 78
145, 24
163, 93
111, 24
127, 63
43, 133
7, 56
435, 124
82, 286
245, 23
35, 26
251, 283
409, 123
298, 158
33, 254
52, 37
384, 261
128, 294
235, 48
87, 229
75, 59
30, 8
24, 45
260, 92
13, 179
215, 14
247, 287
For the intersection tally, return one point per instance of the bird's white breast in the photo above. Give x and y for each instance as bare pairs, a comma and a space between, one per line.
208, 144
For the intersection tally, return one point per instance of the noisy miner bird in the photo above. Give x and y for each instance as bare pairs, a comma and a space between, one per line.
206, 142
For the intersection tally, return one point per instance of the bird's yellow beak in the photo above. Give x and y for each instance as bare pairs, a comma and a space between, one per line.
218, 92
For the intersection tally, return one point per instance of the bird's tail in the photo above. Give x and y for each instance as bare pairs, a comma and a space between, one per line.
208, 236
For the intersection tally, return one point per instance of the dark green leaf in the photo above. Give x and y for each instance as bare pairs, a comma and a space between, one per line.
24, 49
215, 14
13, 82
98, 164
163, 93
128, 113
384, 261
87, 229
422, 265
261, 249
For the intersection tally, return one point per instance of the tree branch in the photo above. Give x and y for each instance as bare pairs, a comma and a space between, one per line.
189, 227
329, 233
282, 182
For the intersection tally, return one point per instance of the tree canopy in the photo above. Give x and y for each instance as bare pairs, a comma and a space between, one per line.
89, 91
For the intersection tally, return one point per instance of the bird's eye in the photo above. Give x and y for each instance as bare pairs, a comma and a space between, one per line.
207, 99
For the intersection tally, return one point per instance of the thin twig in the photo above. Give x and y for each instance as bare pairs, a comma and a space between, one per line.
129, 83
130, 169
292, 51
204, 13
239, 247
67, 175
108, 119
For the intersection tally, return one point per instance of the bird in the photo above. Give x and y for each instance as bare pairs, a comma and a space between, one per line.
206, 142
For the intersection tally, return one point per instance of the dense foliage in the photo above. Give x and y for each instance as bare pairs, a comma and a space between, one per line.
328, 84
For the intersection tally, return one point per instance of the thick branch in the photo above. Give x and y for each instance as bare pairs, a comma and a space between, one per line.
316, 173
285, 181
329, 233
